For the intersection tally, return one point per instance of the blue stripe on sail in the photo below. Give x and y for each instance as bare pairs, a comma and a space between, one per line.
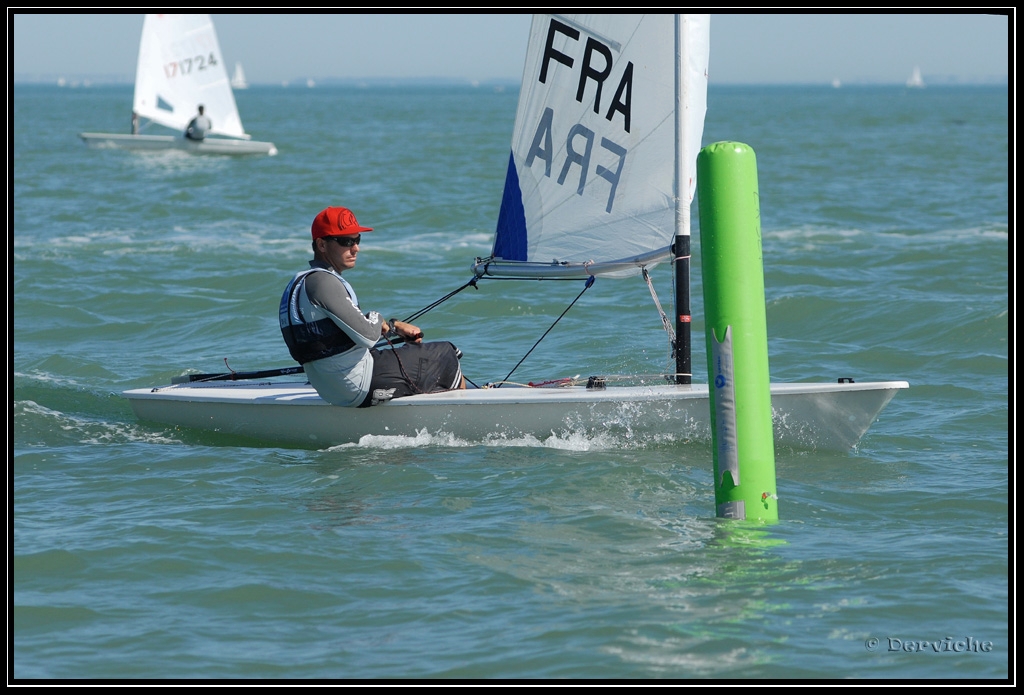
510, 238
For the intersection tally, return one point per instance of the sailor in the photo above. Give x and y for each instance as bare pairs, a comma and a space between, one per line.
327, 332
198, 126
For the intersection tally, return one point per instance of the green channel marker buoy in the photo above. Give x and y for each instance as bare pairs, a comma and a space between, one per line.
737, 335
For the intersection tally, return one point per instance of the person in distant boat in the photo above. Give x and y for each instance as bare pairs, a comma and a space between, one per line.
135, 123
198, 126
334, 340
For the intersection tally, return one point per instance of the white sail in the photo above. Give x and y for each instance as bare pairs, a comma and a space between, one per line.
592, 182
915, 79
238, 80
180, 67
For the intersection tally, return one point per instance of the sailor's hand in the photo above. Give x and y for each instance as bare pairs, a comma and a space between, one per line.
411, 333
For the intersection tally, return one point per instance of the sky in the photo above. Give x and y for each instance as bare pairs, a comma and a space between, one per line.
745, 48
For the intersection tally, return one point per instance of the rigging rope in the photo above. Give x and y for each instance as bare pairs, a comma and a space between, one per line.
442, 300
664, 317
473, 283
421, 312
590, 281
666, 322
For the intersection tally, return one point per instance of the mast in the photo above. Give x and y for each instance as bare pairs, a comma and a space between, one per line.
683, 175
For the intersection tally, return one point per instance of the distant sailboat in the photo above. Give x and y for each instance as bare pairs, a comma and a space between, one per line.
180, 67
238, 79
915, 78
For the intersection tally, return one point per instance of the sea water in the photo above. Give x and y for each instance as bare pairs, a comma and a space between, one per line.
140, 551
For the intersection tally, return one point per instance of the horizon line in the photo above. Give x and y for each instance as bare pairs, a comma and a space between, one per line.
97, 80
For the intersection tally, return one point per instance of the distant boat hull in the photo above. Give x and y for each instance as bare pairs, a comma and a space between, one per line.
821, 416
171, 142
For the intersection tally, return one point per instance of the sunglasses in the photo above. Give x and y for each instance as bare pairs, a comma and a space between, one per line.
348, 240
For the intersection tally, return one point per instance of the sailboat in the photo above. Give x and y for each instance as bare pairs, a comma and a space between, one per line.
238, 80
180, 67
915, 79
592, 190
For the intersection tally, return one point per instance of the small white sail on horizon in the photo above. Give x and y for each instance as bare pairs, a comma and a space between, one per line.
238, 80
915, 79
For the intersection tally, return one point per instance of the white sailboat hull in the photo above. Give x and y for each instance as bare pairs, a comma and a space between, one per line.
171, 142
821, 416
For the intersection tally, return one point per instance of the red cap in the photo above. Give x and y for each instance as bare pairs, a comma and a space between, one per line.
336, 222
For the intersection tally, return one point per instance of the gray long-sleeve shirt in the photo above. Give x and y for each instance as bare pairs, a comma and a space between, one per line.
342, 379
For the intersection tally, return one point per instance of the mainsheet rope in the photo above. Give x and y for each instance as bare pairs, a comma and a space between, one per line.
442, 300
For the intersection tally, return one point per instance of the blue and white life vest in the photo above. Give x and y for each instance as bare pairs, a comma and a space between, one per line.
315, 340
